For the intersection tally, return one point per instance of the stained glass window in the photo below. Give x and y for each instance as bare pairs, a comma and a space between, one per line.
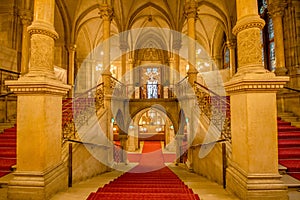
226, 58
267, 37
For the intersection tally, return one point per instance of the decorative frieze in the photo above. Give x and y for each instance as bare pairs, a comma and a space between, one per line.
248, 23
249, 47
37, 87
265, 85
42, 28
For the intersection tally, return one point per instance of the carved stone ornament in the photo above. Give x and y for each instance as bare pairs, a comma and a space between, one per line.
25, 16
42, 51
248, 22
105, 12
38, 27
249, 47
190, 9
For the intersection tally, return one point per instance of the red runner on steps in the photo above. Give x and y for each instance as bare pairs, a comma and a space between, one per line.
289, 147
151, 179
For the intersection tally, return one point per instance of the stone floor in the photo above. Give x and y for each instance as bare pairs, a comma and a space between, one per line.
206, 189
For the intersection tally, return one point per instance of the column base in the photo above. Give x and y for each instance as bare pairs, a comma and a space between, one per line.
38, 185
255, 186
281, 71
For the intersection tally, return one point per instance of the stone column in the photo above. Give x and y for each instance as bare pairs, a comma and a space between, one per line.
71, 67
231, 44
253, 172
26, 19
176, 47
276, 10
40, 172
106, 14
123, 47
191, 12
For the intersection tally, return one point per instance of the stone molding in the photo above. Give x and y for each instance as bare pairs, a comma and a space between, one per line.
37, 87
266, 83
43, 28
248, 22
255, 186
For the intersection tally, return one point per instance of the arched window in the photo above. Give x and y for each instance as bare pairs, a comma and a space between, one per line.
226, 57
267, 37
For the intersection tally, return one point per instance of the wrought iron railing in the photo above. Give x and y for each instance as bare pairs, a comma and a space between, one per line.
118, 88
215, 107
78, 110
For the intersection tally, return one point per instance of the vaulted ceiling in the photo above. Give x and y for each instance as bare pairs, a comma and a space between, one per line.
78, 22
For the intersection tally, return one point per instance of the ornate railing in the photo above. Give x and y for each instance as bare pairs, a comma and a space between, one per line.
118, 88
77, 111
215, 107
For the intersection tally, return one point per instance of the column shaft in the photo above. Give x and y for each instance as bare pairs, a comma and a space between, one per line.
276, 10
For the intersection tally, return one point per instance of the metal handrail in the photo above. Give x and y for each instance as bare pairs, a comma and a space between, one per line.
209, 143
81, 94
293, 89
214, 93
10, 71
117, 80
182, 80
87, 143
7, 94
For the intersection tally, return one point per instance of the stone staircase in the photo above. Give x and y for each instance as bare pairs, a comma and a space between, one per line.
290, 117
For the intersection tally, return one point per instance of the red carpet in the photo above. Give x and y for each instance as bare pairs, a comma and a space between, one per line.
7, 150
151, 179
289, 147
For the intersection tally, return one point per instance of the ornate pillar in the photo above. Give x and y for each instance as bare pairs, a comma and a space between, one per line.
71, 67
253, 172
26, 19
40, 172
191, 12
276, 10
106, 14
231, 44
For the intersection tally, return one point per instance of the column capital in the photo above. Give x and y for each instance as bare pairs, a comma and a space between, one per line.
177, 44
231, 44
26, 16
190, 9
106, 12
72, 47
276, 9
247, 22
123, 45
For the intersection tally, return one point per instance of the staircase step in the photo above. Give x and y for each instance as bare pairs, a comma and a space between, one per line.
288, 128
293, 165
7, 152
7, 163
289, 135
290, 119
286, 153
139, 196
288, 143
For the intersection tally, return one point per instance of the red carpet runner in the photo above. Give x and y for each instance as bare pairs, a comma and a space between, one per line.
7, 150
289, 147
151, 179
